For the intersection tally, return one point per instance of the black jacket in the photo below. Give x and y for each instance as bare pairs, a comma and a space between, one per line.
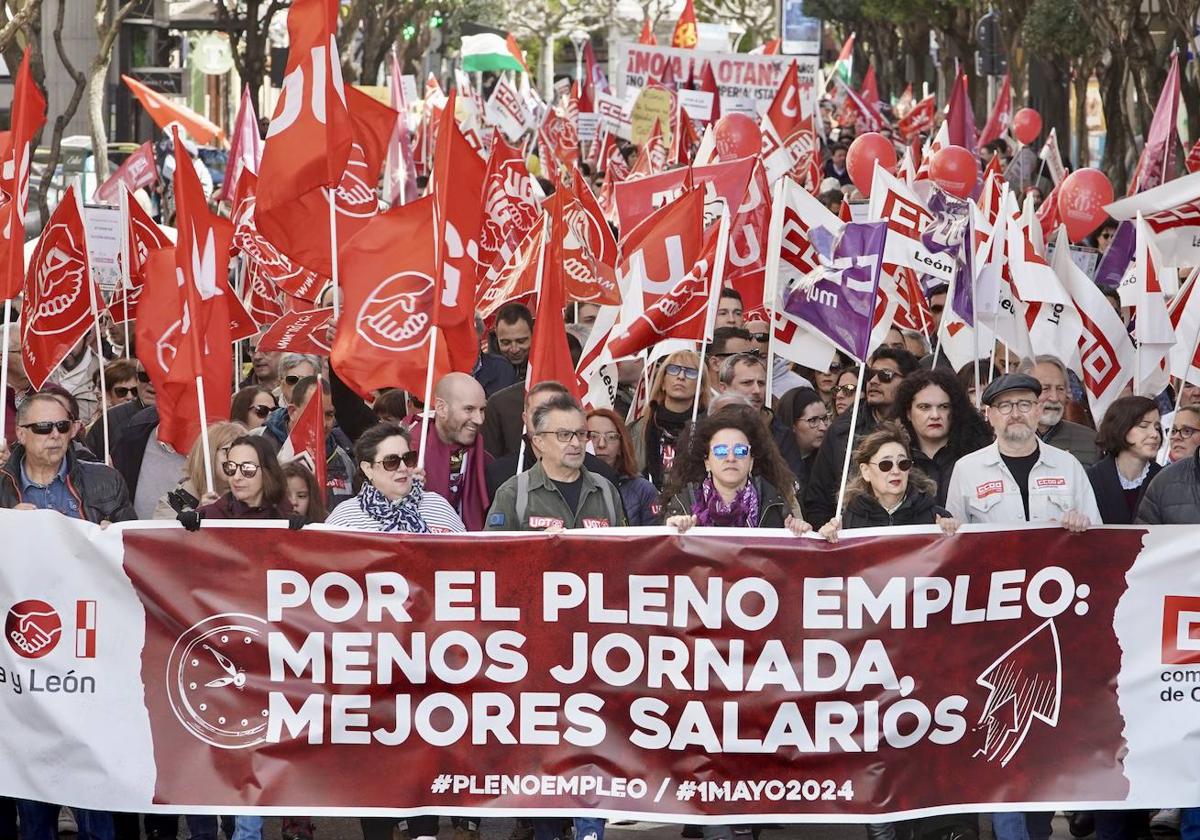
938, 468
99, 490
772, 512
1173, 497
118, 419
825, 478
864, 511
130, 447
1110, 498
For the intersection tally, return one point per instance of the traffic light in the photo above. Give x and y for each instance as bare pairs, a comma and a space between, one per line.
436, 20
990, 58
409, 32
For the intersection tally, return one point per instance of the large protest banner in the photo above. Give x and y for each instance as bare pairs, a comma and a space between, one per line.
747, 83
713, 677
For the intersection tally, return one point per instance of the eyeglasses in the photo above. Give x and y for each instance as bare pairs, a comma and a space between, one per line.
885, 375
817, 422
722, 450
121, 392
248, 469
888, 464
391, 463
1183, 432
683, 370
260, 411
567, 435
607, 437
845, 390
761, 338
45, 427
1006, 408
292, 379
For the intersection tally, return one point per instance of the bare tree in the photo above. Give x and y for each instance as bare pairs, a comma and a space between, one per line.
108, 24
247, 23
68, 112
550, 20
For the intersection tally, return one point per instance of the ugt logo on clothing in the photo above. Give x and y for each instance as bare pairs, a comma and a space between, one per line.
33, 629
1181, 630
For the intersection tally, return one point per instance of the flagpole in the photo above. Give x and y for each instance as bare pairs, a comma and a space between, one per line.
204, 443
771, 278
8, 309
1187, 368
858, 387
537, 290
970, 243
331, 196
126, 283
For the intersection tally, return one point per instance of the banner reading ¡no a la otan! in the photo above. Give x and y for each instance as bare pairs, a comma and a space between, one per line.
705, 678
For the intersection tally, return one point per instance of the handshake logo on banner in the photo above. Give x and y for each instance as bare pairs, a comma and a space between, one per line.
1181, 630
33, 629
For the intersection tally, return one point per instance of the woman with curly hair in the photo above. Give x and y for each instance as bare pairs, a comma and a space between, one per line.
887, 490
935, 412
731, 475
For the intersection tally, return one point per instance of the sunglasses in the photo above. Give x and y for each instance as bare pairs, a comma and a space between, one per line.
684, 371
391, 463
248, 469
121, 392
884, 374
47, 426
847, 390
292, 379
722, 450
260, 411
886, 465
761, 338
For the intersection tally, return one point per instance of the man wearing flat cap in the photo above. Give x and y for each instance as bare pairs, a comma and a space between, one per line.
1020, 478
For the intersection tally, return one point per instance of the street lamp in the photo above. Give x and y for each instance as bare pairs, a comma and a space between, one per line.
578, 39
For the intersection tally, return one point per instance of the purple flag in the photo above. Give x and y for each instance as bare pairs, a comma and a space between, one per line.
837, 299
1117, 258
963, 300
1157, 162
960, 116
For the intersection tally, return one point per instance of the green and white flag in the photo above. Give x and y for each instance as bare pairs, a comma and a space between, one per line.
489, 52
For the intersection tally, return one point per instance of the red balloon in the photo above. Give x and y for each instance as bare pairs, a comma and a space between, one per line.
1026, 125
1081, 200
736, 136
862, 155
955, 170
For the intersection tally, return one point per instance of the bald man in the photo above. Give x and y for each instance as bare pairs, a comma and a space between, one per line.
455, 459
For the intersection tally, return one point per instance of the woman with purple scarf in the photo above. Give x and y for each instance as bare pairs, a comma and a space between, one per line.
731, 475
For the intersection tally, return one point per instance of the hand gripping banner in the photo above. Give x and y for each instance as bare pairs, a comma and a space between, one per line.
715, 677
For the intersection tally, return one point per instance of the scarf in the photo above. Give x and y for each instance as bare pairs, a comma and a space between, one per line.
710, 510
403, 515
663, 428
473, 500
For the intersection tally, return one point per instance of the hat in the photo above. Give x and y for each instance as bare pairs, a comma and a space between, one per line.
1010, 382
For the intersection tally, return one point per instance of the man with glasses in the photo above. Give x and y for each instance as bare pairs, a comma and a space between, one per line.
292, 368
42, 472
783, 376
264, 370
558, 492
886, 368
1079, 440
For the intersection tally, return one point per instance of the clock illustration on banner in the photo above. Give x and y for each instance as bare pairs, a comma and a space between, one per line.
215, 678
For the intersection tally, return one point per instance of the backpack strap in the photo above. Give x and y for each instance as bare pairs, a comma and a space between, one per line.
522, 498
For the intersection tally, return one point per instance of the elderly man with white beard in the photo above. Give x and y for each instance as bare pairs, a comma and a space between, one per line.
1079, 440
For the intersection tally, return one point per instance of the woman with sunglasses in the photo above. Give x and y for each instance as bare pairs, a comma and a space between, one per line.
656, 434
191, 489
887, 490
731, 476
252, 406
392, 497
610, 442
257, 489
844, 390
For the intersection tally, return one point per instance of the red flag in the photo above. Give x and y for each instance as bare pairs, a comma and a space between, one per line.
263, 301
400, 172
457, 189
601, 241
159, 320
389, 301
164, 112
680, 313
919, 119
136, 171
293, 279
1192, 162
516, 278
28, 117
708, 83
960, 116
59, 291
997, 123
245, 151
1047, 214
207, 302
581, 235
913, 313
144, 236
788, 138
660, 250
558, 142
309, 141
306, 437
511, 206
746, 254
647, 37
652, 157
685, 36
549, 353
122, 306
302, 331
1156, 165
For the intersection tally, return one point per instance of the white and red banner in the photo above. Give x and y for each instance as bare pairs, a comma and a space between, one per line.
707, 679
135, 172
747, 83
